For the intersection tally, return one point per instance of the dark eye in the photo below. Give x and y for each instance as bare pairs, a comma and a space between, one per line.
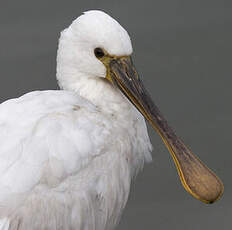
99, 53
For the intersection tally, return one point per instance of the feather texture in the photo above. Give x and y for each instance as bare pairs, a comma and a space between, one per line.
64, 164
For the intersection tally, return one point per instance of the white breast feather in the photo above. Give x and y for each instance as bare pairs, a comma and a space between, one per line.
60, 160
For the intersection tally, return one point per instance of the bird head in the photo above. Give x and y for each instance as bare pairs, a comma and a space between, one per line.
97, 46
87, 46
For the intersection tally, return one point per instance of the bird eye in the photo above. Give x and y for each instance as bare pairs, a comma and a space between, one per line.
99, 53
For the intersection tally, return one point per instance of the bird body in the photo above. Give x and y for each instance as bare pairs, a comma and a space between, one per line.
66, 163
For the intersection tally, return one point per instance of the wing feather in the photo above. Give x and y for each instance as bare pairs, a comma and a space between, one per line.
44, 138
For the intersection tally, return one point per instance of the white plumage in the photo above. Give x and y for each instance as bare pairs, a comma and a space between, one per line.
67, 156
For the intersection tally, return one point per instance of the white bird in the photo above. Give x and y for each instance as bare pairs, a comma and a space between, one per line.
67, 157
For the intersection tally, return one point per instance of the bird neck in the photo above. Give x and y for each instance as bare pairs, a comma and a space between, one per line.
98, 91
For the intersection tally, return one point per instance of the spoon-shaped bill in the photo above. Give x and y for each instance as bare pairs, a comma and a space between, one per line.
196, 177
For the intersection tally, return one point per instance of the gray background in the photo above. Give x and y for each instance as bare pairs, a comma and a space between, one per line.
182, 50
